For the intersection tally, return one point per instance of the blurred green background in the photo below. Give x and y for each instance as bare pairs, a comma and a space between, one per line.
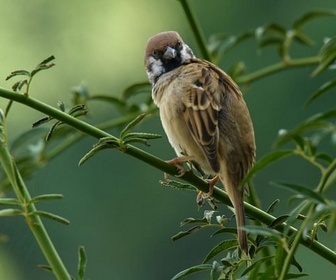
117, 208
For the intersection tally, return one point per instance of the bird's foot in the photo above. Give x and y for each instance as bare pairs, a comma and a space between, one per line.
177, 162
201, 195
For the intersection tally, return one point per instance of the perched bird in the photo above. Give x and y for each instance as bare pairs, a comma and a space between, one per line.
204, 116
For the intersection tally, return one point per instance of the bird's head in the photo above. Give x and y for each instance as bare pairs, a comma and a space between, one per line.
165, 52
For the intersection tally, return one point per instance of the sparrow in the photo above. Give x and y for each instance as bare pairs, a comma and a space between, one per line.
204, 116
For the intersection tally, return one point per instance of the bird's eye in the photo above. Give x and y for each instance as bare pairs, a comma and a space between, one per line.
155, 53
178, 45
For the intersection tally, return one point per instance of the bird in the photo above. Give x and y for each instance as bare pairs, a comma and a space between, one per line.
204, 116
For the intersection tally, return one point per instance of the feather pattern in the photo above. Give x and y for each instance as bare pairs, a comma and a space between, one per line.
204, 116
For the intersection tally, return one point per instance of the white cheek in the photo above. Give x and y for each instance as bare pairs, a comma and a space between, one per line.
186, 53
156, 69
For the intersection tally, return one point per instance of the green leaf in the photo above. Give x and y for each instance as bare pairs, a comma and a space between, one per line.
237, 69
141, 135
191, 270
222, 43
216, 270
41, 121
318, 121
178, 185
52, 129
325, 157
47, 60
78, 110
10, 212
131, 125
81, 262
256, 264
51, 216
271, 208
137, 140
45, 197
19, 85
309, 16
182, 234
46, 267
271, 29
18, 73
9, 201
328, 56
188, 221
223, 246
278, 221
329, 172
225, 230
132, 90
43, 65
97, 148
120, 104
271, 34
302, 191
280, 256
303, 39
326, 212
296, 264
258, 230
321, 91
265, 161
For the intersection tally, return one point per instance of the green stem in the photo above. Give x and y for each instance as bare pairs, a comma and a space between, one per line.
196, 30
218, 194
310, 159
267, 219
34, 222
293, 63
254, 200
75, 137
294, 246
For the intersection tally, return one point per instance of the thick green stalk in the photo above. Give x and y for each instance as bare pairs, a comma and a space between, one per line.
34, 222
75, 137
201, 42
218, 194
278, 67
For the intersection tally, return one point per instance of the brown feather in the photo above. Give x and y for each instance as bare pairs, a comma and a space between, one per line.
205, 116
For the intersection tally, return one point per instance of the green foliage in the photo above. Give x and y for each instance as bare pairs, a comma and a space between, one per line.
278, 36
273, 241
30, 74
125, 137
81, 263
273, 246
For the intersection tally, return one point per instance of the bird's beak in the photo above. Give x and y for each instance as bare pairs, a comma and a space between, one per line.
170, 53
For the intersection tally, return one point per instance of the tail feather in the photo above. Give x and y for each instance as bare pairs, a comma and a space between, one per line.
236, 197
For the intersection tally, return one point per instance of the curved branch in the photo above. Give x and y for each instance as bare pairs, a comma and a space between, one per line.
278, 67
156, 162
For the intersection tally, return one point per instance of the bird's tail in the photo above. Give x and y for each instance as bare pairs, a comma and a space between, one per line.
236, 196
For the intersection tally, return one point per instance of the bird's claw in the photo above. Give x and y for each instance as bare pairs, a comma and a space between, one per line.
201, 195
177, 162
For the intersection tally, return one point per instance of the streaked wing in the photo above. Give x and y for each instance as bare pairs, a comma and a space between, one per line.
202, 110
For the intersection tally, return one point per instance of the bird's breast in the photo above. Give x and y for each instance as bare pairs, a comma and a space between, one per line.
171, 114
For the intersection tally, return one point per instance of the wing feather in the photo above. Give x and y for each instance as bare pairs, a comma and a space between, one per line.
218, 119
202, 112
